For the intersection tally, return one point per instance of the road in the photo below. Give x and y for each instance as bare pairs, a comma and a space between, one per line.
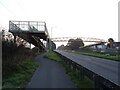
105, 68
50, 74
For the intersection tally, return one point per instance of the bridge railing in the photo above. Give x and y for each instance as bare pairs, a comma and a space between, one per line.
31, 26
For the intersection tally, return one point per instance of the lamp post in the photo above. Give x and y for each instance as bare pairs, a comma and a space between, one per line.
117, 51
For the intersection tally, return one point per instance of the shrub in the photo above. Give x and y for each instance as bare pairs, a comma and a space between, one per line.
12, 56
35, 49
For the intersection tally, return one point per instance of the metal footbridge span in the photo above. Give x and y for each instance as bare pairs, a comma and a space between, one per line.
31, 31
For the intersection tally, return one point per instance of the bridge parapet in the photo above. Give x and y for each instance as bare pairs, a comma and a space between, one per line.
28, 26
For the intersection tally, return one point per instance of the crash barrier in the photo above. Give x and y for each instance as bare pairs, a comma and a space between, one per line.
99, 82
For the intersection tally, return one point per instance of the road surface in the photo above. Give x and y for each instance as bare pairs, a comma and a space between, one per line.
50, 74
105, 68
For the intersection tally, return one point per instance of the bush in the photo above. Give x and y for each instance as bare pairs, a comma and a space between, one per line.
20, 78
12, 56
35, 49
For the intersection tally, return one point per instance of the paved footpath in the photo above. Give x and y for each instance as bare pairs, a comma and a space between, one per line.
50, 74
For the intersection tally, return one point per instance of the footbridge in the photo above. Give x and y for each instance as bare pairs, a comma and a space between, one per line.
85, 39
33, 32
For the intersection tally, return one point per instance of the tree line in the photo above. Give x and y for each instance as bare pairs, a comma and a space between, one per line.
73, 44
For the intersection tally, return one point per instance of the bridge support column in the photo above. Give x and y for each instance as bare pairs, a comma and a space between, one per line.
14, 38
50, 48
47, 44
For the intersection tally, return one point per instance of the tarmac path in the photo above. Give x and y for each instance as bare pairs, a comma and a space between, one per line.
50, 74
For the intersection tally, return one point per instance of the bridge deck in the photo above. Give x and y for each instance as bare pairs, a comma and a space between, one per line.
40, 34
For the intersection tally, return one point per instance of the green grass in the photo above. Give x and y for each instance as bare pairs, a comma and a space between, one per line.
20, 78
75, 76
53, 56
37, 54
115, 58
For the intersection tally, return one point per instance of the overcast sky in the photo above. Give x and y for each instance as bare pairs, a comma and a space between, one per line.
66, 18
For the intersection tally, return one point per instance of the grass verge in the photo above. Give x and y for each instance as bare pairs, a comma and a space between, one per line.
75, 76
37, 54
115, 58
20, 78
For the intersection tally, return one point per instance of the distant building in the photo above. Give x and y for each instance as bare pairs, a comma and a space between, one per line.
116, 45
113, 49
96, 47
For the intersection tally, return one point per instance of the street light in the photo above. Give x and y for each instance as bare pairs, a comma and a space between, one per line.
117, 51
